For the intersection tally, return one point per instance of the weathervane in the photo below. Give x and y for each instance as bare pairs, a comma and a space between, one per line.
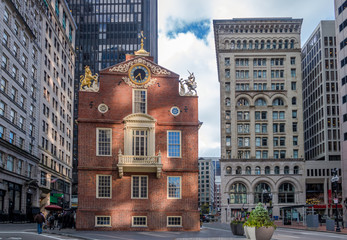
142, 52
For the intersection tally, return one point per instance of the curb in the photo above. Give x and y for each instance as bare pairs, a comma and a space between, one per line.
312, 230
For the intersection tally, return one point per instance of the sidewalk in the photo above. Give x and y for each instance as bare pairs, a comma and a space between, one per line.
301, 227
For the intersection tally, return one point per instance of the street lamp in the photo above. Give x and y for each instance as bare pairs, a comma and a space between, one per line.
335, 180
227, 209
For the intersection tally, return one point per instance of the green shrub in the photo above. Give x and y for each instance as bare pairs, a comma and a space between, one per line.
259, 217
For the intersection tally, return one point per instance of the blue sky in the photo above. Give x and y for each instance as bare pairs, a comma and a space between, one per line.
186, 42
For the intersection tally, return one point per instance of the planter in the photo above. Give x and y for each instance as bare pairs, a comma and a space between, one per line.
237, 229
330, 225
312, 222
262, 233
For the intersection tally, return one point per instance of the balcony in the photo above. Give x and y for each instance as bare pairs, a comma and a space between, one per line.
145, 164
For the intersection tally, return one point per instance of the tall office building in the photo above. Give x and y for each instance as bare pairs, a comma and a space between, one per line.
262, 150
321, 114
206, 182
107, 31
341, 41
57, 66
20, 53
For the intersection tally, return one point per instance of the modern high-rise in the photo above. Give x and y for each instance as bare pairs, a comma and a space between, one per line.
206, 182
107, 31
262, 154
55, 93
341, 42
321, 115
20, 53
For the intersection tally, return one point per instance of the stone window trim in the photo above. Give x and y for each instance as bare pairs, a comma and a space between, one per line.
97, 186
137, 220
172, 144
139, 187
174, 221
97, 142
102, 218
179, 187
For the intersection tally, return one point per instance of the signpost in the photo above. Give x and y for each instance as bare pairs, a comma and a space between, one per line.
335, 180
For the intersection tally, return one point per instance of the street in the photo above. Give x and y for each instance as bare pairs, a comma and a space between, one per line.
208, 231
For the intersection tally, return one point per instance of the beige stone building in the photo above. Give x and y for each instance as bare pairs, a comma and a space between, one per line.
262, 147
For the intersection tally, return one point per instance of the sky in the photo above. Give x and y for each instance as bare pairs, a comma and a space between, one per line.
186, 43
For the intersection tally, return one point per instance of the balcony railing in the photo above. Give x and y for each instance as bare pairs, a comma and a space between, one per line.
132, 163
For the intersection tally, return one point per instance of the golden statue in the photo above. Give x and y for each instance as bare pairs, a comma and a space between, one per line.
88, 79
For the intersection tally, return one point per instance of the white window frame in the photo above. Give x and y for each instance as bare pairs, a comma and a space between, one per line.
102, 225
132, 177
167, 221
167, 143
97, 141
133, 218
168, 192
133, 99
97, 186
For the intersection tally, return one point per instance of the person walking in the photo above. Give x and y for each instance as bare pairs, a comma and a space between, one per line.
39, 219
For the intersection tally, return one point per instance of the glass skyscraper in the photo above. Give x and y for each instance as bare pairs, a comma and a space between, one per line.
107, 31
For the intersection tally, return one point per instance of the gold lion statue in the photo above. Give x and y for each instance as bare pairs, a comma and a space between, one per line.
88, 78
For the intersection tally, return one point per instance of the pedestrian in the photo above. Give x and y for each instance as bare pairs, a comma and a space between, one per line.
51, 221
39, 219
60, 221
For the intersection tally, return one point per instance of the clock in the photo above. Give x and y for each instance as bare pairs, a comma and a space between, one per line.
175, 111
139, 74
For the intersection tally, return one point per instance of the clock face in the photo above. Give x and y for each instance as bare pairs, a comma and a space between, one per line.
175, 111
139, 74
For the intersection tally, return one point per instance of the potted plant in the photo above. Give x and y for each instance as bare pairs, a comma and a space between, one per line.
259, 225
237, 227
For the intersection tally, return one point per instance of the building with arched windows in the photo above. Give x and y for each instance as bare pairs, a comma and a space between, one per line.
262, 153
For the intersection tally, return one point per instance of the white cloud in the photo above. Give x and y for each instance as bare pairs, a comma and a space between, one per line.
186, 52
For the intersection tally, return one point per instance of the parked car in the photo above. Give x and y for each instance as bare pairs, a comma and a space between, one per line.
204, 218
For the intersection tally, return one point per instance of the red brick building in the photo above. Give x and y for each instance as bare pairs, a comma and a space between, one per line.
138, 150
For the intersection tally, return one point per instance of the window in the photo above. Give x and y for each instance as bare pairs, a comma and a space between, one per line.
262, 193
103, 186
139, 221
286, 170
277, 170
257, 170
294, 114
102, 221
174, 221
260, 102
12, 138
260, 115
10, 162
295, 140
174, 187
6, 16
286, 193
19, 166
238, 170
292, 60
295, 126
4, 62
139, 101
139, 185
294, 101
296, 170
295, 153
140, 142
2, 108
267, 170
238, 193
228, 170
293, 73
104, 140
293, 86
5, 39
174, 143
278, 102
242, 102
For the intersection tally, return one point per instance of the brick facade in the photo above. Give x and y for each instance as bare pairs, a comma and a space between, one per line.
116, 93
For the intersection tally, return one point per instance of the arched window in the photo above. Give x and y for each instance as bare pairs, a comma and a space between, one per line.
280, 44
277, 170
286, 193
260, 102
257, 170
238, 45
238, 170
286, 170
232, 45
294, 101
262, 44
228, 170
268, 44
296, 170
267, 170
244, 44
242, 102
274, 44
262, 193
286, 44
248, 170
238, 193
250, 45
292, 44
227, 102
278, 102
256, 44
